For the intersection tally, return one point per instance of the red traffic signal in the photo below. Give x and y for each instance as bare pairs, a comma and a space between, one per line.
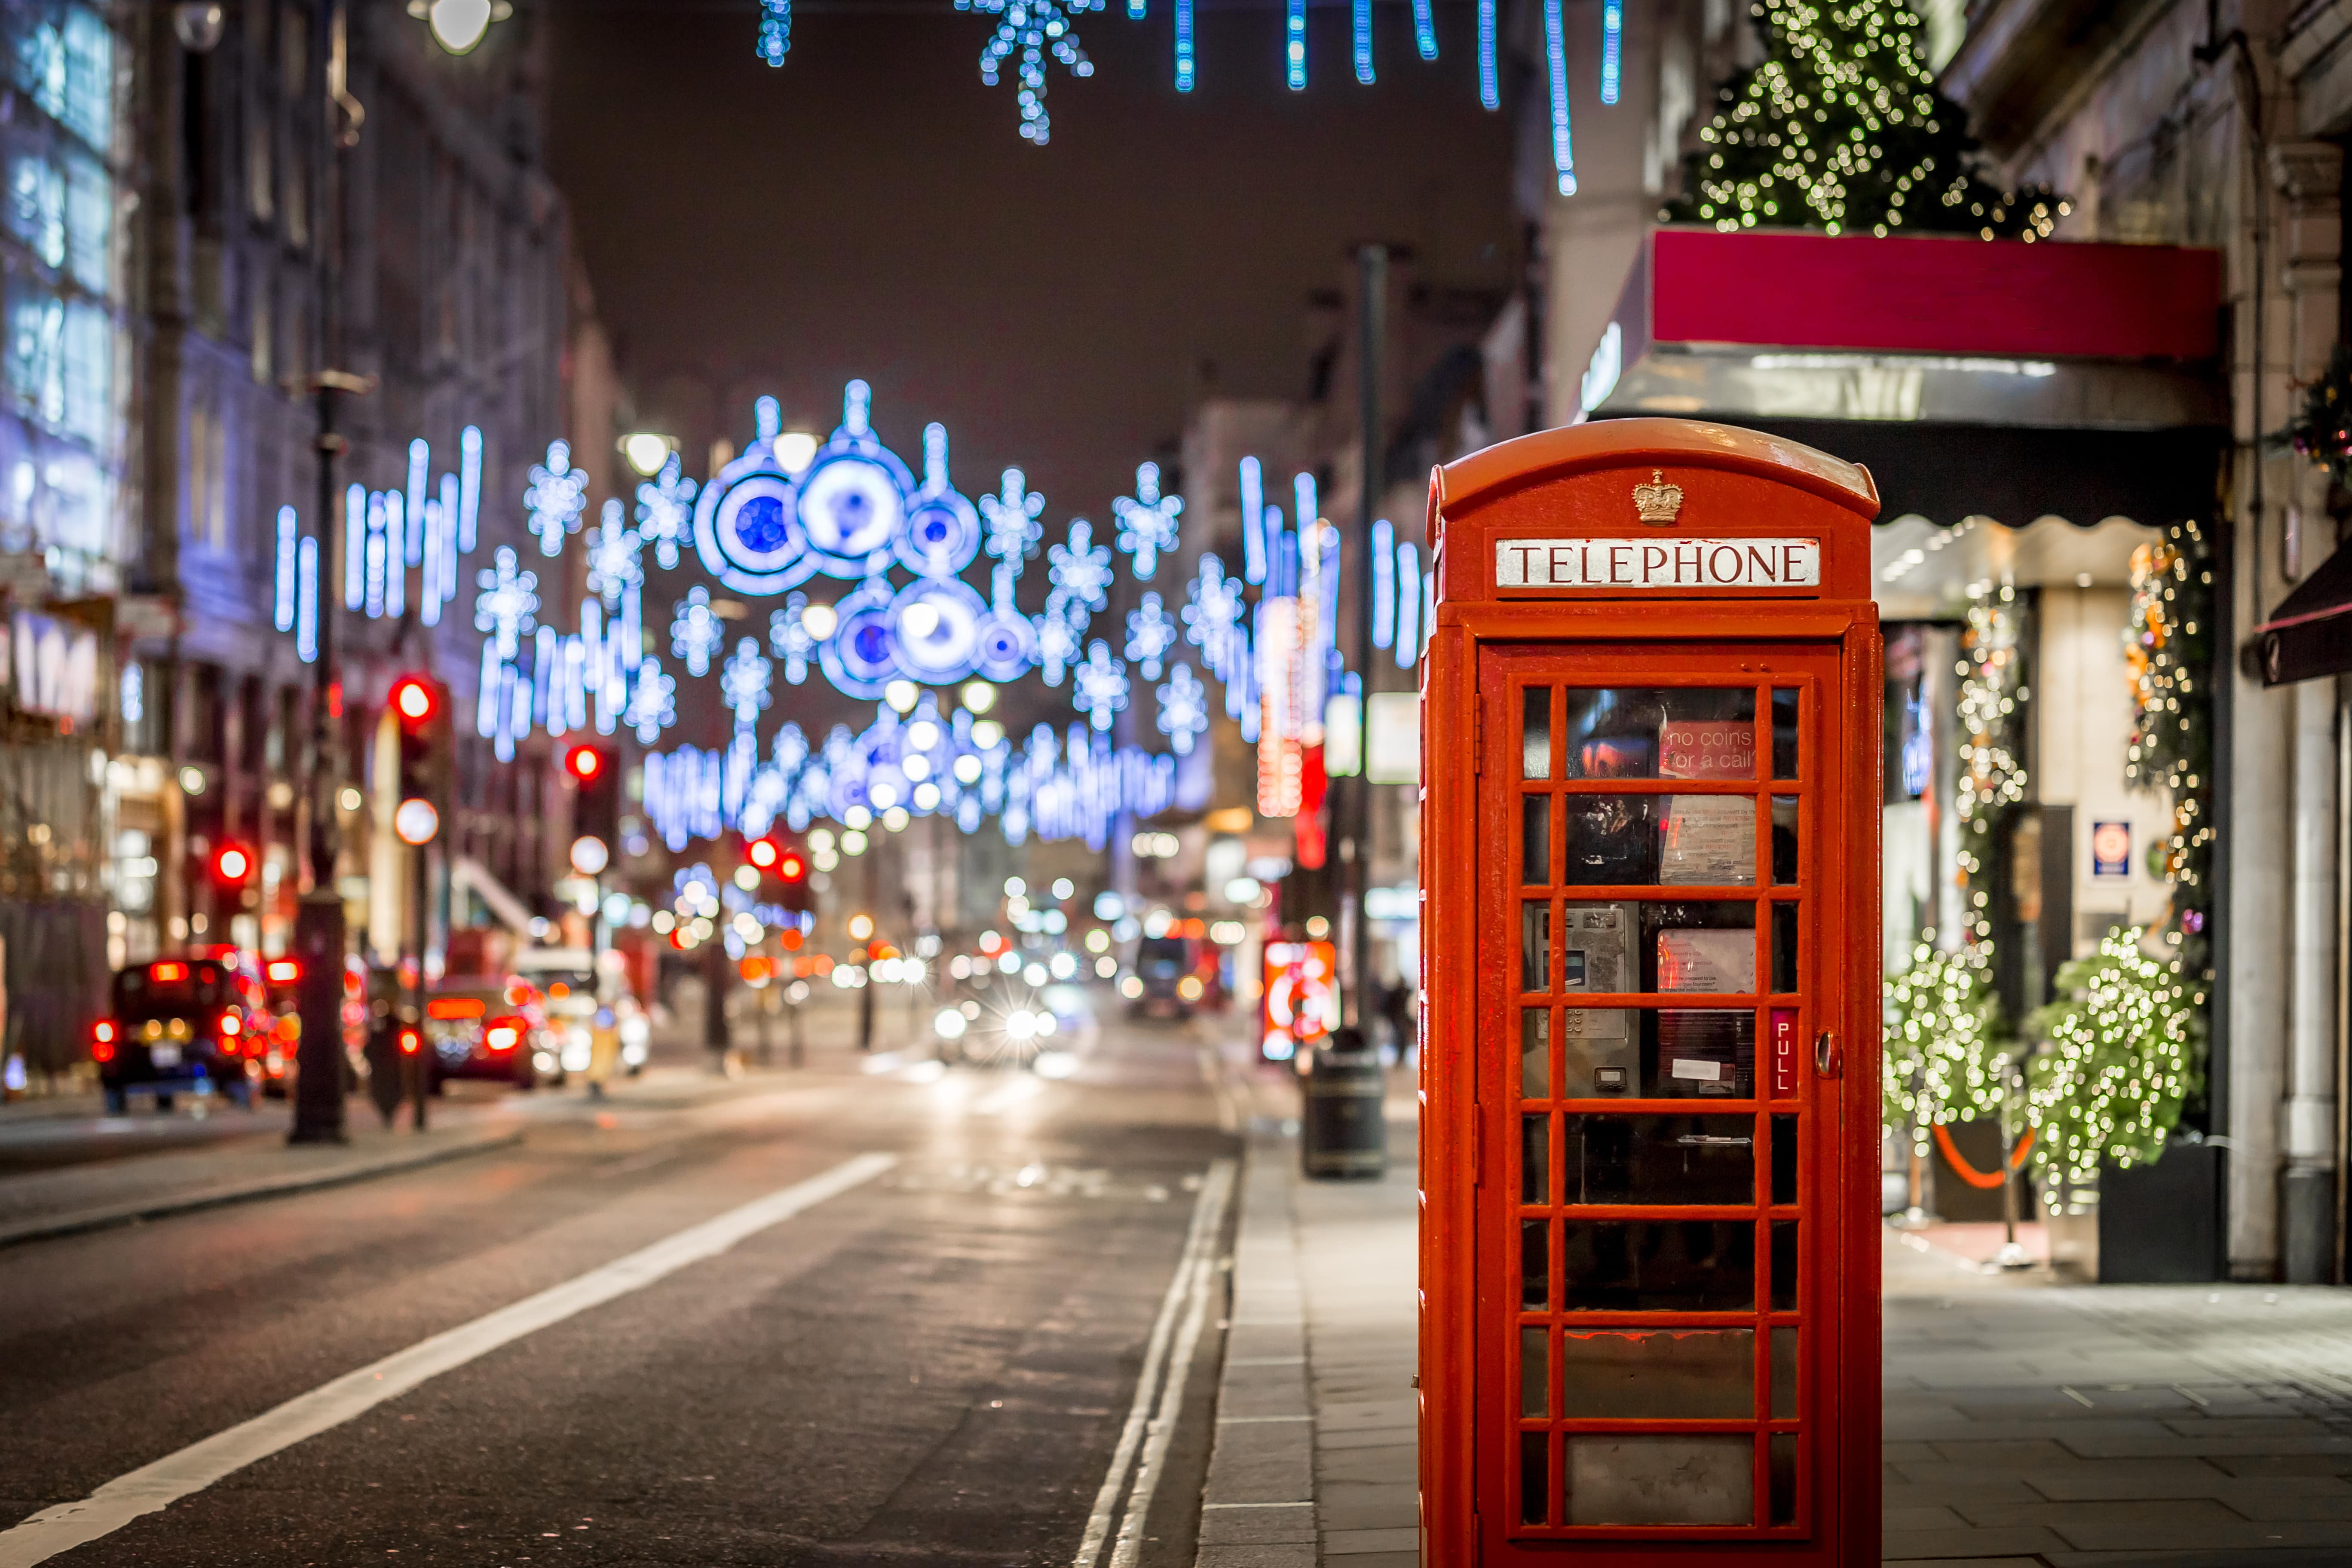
792, 866
585, 763
762, 853
414, 700
233, 865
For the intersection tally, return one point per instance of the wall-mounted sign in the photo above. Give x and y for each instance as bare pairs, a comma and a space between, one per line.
54, 666
1301, 999
1658, 564
2111, 849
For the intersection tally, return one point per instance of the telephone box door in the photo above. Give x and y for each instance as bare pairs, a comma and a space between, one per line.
1656, 1064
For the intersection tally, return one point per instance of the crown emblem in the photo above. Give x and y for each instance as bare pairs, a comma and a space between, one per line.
1658, 501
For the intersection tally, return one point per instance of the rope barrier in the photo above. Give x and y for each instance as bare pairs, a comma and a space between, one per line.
1969, 1172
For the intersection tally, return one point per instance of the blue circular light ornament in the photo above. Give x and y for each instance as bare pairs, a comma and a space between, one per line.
937, 626
862, 656
747, 529
1006, 645
941, 536
854, 496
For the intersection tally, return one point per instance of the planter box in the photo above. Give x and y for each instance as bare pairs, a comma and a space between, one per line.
2161, 1224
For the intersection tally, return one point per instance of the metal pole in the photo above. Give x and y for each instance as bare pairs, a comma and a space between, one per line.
320, 938
418, 884
1356, 840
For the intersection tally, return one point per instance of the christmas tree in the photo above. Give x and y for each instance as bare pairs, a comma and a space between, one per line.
1841, 129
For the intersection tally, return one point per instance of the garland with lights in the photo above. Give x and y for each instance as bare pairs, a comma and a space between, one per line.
2169, 647
1993, 698
2125, 1037
1840, 128
2321, 429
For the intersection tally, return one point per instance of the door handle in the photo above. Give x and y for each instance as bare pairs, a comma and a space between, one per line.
1710, 1141
1828, 1060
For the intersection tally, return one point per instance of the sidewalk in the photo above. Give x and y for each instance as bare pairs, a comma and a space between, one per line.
1317, 1418
2028, 1423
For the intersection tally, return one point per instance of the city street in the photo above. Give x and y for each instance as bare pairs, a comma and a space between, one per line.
936, 1363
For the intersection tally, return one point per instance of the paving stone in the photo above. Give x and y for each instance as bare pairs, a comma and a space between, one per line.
1256, 1526
1908, 1545
1350, 1542
1294, 1554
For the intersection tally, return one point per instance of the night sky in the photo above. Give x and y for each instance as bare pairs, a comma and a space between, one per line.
868, 210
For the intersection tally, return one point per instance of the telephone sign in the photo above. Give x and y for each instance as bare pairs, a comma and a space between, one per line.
1650, 1151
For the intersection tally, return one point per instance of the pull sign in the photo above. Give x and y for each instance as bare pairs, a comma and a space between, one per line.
1659, 564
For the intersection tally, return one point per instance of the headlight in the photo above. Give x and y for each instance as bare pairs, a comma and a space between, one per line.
1020, 1026
950, 1024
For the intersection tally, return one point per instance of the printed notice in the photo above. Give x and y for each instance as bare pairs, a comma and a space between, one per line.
1710, 841
1706, 749
1706, 960
1658, 564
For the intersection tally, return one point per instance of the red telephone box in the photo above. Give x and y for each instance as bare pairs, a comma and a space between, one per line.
1648, 1258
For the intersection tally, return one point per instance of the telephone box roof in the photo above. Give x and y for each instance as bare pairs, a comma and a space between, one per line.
1551, 453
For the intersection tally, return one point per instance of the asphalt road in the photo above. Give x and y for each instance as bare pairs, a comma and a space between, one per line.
931, 1357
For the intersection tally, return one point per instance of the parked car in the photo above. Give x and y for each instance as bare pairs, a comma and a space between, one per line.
180, 1025
1163, 965
483, 1029
572, 993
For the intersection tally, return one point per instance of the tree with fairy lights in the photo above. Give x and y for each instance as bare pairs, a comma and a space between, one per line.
1840, 128
1943, 1043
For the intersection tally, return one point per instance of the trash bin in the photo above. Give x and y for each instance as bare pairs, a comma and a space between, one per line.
1344, 1132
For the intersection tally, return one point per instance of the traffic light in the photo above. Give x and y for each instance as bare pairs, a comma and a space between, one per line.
234, 865
421, 709
763, 854
596, 810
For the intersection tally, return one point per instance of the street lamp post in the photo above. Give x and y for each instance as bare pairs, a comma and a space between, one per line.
319, 928
1372, 286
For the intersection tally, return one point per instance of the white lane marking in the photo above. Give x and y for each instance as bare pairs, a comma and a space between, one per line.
1208, 1215
153, 1488
1150, 1468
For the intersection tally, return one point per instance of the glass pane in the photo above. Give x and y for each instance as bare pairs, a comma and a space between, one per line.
1688, 732
1784, 1266
1660, 840
1601, 1054
1784, 840
1659, 1159
1535, 1475
1698, 1477
1784, 948
1534, 733
1713, 948
1535, 1159
1535, 1264
1707, 1052
1784, 1159
1664, 1374
1534, 1372
1611, 839
1597, 943
1781, 1460
1535, 839
1707, 841
1535, 946
1676, 1053
1784, 733
1784, 1374
1535, 1053
1659, 1266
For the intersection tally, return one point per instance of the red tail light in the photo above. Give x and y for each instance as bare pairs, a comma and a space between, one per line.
411, 1042
503, 1034
102, 1036
167, 972
230, 1026
283, 972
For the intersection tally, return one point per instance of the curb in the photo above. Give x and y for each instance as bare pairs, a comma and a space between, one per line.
1257, 1507
81, 1221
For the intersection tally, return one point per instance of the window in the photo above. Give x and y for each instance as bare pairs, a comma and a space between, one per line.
64, 63
58, 363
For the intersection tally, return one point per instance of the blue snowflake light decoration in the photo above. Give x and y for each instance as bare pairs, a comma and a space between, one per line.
653, 702
557, 498
1147, 521
789, 634
1183, 708
1012, 517
744, 682
665, 511
695, 634
1080, 570
507, 605
614, 557
1212, 619
1099, 685
1032, 29
1152, 631
1058, 643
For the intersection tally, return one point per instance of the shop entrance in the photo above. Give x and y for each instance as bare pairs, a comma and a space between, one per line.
1657, 1067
